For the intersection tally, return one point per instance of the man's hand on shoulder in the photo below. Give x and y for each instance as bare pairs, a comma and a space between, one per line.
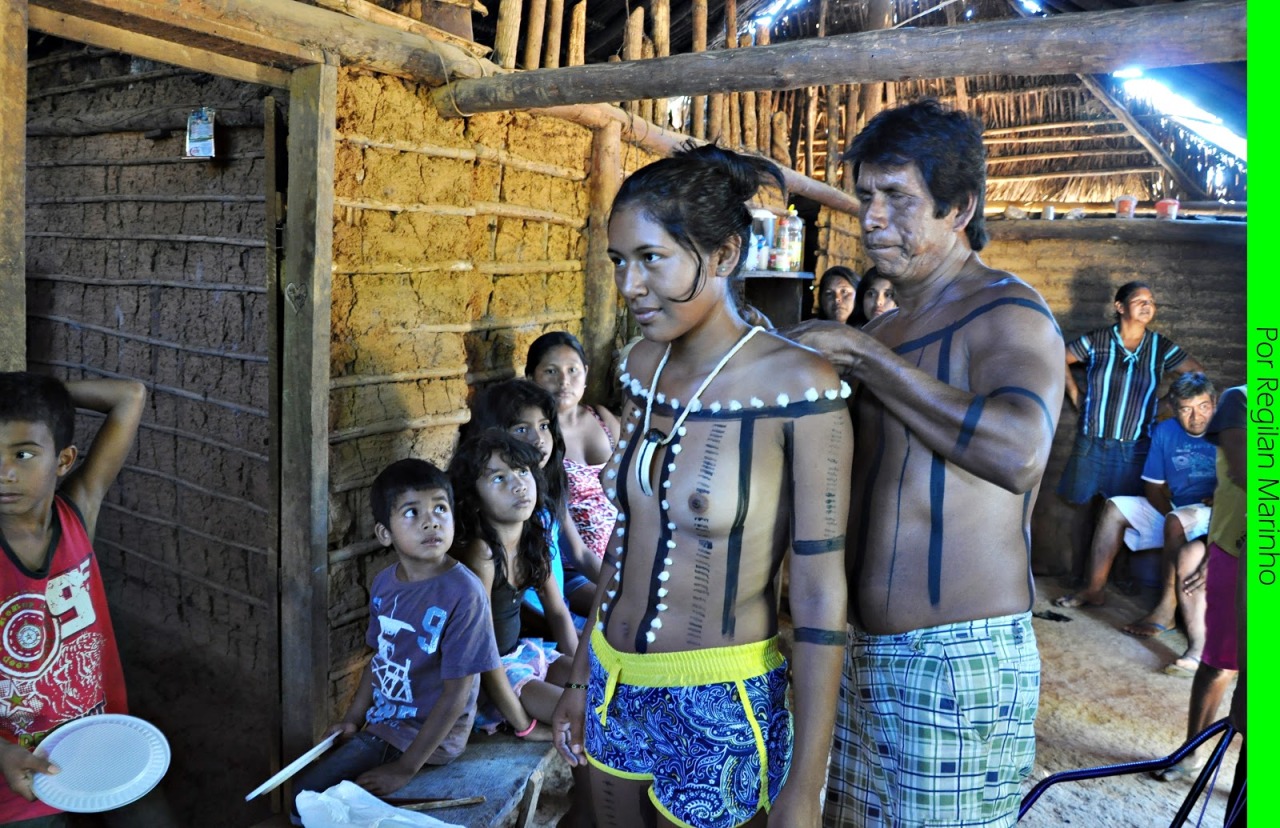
838, 342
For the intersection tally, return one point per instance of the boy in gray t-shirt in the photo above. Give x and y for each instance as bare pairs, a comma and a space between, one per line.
432, 635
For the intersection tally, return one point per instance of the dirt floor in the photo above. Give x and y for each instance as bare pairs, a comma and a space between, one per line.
1104, 700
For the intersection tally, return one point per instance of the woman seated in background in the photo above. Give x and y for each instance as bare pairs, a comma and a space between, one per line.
836, 291
875, 296
557, 363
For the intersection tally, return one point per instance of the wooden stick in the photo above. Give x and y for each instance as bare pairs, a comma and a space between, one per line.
555, 30
633, 50
779, 150
533, 33
506, 42
1108, 122
764, 98
647, 105
661, 11
1008, 179
578, 34
365, 10
733, 121
1168, 34
750, 120
600, 296
664, 142
699, 102
810, 128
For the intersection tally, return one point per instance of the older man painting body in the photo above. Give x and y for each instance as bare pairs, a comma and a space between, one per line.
958, 397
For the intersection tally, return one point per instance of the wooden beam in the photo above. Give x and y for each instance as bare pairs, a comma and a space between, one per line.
533, 33
578, 34
1185, 208
304, 409
506, 42
176, 54
699, 102
13, 185
365, 10
1009, 179
555, 32
661, 141
280, 33
1107, 122
1122, 230
1188, 187
600, 295
1174, 34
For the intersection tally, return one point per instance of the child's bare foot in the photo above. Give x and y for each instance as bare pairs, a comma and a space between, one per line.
1080, 599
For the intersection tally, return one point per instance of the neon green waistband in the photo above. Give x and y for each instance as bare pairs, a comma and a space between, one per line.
689, 668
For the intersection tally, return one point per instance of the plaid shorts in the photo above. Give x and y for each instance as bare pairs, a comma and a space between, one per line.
935, 727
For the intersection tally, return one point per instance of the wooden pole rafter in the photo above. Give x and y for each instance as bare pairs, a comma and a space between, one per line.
1175, 34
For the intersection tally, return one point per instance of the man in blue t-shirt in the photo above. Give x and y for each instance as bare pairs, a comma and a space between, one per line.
1178, 481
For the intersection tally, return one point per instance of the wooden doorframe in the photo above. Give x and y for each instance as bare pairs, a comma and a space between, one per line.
305, 305
302, 321
13, 184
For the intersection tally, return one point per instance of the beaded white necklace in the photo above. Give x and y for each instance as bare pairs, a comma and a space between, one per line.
653, 438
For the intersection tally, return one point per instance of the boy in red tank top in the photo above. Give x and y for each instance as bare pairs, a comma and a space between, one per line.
58, 658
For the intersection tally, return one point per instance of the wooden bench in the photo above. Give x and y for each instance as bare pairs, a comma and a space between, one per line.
508, 772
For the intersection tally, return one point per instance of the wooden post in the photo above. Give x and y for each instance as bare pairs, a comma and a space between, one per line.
600, 296
850, 131
13, 185
646, 105
555, 30
699, 102
533, 34
779, 149
716, 119
633, 49
506, 42
304, 409
810, 128
750, 121
661, 11
833, 136
733, 121
578, 34
764, 99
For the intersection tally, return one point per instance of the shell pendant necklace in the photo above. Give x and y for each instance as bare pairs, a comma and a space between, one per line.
654, 438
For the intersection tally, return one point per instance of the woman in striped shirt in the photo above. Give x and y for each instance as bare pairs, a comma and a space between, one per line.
1124, 364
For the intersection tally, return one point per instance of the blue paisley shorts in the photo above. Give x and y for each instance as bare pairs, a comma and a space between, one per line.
700, 724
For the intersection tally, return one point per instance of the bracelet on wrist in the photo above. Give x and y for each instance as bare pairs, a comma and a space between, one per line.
532, 724
573, 685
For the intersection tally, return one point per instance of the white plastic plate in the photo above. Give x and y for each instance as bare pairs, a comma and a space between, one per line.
105, 762
293, 767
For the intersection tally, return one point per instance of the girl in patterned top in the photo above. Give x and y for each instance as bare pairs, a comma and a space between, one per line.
558, 364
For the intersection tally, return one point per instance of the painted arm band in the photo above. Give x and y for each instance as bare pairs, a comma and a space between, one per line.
818, 547
813, 635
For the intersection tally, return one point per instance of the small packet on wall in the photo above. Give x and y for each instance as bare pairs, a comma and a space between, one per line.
200, 133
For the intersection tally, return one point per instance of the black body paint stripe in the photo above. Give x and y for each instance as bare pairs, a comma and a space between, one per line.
937, 489
818, 547
970, 423
1031, 395
813, 635
664, 551
733, 555
948, 330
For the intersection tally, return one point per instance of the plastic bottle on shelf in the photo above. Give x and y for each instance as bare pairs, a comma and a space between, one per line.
792, 233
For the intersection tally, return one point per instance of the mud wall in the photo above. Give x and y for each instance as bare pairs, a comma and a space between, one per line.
1200, 286
142, 264
456, 244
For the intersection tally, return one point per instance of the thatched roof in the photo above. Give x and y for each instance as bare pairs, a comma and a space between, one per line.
1053, 138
